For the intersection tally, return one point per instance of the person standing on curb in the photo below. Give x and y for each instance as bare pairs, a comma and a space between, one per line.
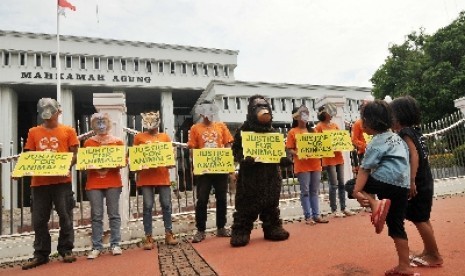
51, 190
210, 134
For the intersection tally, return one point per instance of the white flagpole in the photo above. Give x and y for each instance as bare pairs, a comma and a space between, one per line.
58, 60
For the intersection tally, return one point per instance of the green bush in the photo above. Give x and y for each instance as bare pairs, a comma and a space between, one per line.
445, 160
459, 155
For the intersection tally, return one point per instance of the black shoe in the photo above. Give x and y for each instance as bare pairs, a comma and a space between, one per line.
33, 262
68, 257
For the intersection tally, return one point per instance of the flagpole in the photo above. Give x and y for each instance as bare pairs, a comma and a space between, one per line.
58, 60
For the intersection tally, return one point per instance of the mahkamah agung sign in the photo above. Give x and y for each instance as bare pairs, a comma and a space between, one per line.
314, 145
264, 147
213, 160
153, 155
43, 163
101, 157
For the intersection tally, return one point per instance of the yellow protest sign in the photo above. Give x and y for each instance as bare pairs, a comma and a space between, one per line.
213, 160
151, 155
264, 147
314, 145
342, 140
367, 137
101, 157
43, 163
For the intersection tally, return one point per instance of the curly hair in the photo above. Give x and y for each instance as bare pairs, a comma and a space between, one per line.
406, 111
377, 115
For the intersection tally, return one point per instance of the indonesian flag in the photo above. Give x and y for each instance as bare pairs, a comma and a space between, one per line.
66, 4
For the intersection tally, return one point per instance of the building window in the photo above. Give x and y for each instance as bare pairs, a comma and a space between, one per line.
148, 66
304, 102
238, 103
53, 61
283, 104
184, 68
160, 67
136, 65
273, 104
194, 69
225, 103
123, 65
215, 70
110, 64
38, 60
69, 62
173, 67
6, 58
96, 63
205, 70
22, 59
226, 71
82, 62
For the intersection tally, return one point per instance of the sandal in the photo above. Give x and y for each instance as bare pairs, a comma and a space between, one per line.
394, 272
378, 218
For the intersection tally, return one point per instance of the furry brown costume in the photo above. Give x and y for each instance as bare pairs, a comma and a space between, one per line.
258, 184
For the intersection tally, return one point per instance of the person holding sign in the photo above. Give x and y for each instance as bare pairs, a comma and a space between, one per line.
259, 183
334, 165
51, 190
152, 179
308, 171
210, 134
385, 171
104, 183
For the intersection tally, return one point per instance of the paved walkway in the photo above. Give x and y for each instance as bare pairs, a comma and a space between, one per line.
346, 246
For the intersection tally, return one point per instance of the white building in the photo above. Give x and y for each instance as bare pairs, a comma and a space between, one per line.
169, 78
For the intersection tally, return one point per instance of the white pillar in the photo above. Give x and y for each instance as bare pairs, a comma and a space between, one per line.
460, 104
167, 112
67, 105
339, 101
8, 139
115, 105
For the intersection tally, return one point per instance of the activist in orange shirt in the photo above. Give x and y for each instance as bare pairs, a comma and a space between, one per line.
308, 171
104, 183
333, 165
48, 191
154, 179
209, 133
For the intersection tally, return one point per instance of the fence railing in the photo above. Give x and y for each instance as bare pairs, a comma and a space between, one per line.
445, 140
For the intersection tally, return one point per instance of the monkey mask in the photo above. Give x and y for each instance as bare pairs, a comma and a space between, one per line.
100, 123
47, 107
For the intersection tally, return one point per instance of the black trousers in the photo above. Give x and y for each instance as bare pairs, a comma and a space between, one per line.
204, 185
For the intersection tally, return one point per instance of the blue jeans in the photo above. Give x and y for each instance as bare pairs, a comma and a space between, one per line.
96, 211
164, 193
336, 183
309, 187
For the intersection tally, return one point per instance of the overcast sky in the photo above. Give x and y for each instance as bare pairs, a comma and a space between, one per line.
320, 42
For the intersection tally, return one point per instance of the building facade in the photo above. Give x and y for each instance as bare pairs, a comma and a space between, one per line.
152, 76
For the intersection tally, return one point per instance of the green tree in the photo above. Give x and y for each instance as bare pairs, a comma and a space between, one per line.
429, 68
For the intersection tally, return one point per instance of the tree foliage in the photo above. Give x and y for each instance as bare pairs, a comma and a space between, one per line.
430, 68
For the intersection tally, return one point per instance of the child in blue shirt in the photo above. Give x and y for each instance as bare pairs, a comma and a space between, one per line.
385, 172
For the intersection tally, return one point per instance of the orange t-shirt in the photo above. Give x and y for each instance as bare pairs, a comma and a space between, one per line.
301, 165
103, 178
58, 139
337, 159
153, 176
215, 135
357, 137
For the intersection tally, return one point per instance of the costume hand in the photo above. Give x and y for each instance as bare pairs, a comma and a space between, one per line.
363, 200
249, 160
285, 162
413, 190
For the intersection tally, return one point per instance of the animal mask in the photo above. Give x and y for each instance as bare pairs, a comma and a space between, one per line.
259, 110
100, 123
206, 110
47, 107
302, 113
150, 120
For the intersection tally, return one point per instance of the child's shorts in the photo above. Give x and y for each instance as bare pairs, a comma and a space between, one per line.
419, 207
398, 197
